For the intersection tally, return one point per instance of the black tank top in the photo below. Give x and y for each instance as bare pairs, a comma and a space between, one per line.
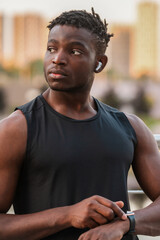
69, 160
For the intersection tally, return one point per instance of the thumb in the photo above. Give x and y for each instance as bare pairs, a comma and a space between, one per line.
120, 204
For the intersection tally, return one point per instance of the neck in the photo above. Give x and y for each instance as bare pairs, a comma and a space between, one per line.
77, 106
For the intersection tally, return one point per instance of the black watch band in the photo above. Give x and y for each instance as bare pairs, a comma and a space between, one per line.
131, 217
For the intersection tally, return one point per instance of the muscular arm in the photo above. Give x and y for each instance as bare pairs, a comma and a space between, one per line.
13, 138
88, 213
146, 166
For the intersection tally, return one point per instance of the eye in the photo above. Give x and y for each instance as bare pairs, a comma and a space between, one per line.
51, 49
76, 52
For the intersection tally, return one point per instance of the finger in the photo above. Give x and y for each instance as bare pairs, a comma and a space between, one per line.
82, 237
92, 224
86, 236
104, 212
120, 204
99, 218
116, 209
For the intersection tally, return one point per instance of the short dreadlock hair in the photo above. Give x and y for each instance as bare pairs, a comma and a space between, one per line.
89, 21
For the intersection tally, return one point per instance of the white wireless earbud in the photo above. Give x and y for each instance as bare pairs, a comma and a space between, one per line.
99, 66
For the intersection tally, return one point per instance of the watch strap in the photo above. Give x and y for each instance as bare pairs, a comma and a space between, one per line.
131, 217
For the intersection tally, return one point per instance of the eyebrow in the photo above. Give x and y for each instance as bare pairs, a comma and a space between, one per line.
77, 43
52, 40
70, 43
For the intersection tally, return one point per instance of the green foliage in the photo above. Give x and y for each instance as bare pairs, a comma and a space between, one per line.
111, 74
35, 68
1, 69
149, 121
111, 99
2, 99
13, 72
31, 70
142, 103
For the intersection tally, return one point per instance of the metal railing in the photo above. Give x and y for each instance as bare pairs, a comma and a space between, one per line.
157, 138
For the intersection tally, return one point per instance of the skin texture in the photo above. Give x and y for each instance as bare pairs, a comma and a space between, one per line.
69, 65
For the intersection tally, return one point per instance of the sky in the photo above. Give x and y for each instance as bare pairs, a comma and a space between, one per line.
113, 10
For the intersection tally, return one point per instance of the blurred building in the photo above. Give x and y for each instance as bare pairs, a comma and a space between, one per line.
30, 38
6, 40
23, 38
145, 58
133, 51
1, 47
120, 51
159, 41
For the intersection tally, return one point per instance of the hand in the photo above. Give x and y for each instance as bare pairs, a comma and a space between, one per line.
95, 211
111, 231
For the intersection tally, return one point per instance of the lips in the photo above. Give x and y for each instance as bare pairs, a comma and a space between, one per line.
57, 74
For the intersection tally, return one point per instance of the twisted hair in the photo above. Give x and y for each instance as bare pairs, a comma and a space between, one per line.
89, 21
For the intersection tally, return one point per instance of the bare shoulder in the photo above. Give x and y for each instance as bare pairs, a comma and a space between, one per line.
143, 133
14, 123
136, 122
145, 138
15, 117
13, 135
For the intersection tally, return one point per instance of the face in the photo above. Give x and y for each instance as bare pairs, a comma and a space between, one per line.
70, 59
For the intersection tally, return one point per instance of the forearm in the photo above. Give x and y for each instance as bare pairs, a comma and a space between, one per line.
33, 226
88, 213
148, 219
112, 230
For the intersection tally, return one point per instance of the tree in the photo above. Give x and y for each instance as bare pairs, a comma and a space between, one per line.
2, 99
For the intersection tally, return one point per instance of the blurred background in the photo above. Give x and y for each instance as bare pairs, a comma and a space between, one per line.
131, 79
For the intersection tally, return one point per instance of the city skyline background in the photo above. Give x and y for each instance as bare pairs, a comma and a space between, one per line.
114, 11
131, 79
23, 35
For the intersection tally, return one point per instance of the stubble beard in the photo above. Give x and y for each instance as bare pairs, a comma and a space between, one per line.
75, 89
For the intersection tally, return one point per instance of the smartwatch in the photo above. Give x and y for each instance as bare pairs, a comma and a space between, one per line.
131, 217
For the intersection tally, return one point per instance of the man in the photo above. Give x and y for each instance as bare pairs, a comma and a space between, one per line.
65, 156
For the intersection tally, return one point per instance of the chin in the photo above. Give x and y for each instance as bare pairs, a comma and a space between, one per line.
62, 89
66, 89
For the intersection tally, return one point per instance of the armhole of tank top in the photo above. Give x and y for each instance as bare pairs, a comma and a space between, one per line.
28, 147
28, 132
131, 129
122, 116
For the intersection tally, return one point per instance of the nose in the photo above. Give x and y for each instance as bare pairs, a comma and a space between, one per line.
60, 58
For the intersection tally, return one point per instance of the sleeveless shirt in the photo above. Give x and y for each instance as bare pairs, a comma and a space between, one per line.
68, 160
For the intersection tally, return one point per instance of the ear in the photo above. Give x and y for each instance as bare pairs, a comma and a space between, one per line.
100, 63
